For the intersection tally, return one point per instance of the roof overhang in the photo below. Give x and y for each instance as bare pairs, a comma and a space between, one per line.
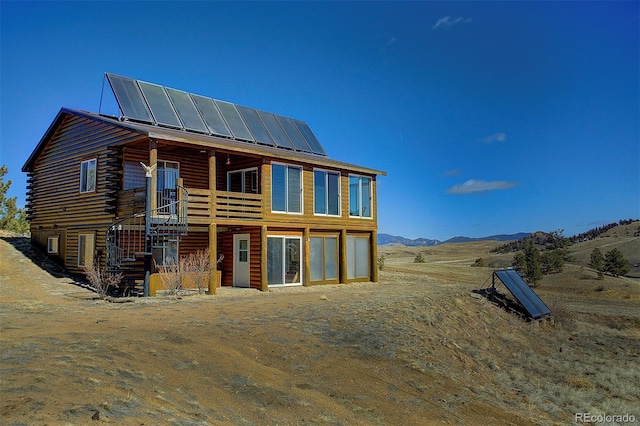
196, 140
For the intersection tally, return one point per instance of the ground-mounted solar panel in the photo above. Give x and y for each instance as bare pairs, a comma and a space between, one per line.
234, 121
308, 135
260, 133
293, 133
277, 133
523, 293
159, 104
186, 110
129, 98
211, 116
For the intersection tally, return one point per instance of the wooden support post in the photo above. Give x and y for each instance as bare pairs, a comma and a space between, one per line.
213, 259
306, 247
212, 185
153, 160
374, 256
264, 278
343, 256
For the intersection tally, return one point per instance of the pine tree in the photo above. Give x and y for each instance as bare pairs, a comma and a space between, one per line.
11, 217
597, 262
615, 263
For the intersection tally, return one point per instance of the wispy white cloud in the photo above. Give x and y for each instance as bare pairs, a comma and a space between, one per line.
496, 137
391, 41
472, 186
450, 21
453, 172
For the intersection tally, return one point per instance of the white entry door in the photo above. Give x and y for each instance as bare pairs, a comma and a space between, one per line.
241, 264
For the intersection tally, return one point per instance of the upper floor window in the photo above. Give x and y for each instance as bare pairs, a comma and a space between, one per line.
286, 188
88, 175
326, 193
359, 196
245, 181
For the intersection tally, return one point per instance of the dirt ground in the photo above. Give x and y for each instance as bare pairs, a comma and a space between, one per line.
416, 348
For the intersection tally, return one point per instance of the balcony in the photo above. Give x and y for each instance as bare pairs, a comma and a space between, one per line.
228, 205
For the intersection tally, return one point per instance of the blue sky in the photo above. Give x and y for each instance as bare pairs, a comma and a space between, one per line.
489, 117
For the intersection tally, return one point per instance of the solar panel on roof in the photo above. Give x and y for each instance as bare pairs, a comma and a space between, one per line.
293, 133
211, 116
159, 104
129, 98
254, 123
521, 291
234, 121
163, 106
277, 133
186, 110
314, 144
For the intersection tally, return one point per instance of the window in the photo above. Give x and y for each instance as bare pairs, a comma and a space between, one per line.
286, 188
323, 258
326, 193
88, 176
134, 176
52, 245
359, 196
357, 257
284, 260
245, 181
166, 253
167, 175
85, 249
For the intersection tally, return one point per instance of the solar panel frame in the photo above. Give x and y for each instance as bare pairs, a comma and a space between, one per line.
275, 129
252, 120
312, 141
234, 120
523, 293
160, 105
293, 133
129, 97
211, 115
186, 110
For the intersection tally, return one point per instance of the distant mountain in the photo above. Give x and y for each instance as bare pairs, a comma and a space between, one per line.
393, 239
425, 242
500, 237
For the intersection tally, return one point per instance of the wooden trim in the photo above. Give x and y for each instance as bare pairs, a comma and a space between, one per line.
213, 258
306, 250
212, 184
343, 256
373, 242
264, 281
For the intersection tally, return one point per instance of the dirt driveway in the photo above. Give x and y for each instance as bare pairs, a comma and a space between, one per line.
389, 353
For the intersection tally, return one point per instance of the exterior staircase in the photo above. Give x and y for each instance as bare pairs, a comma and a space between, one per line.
130, 240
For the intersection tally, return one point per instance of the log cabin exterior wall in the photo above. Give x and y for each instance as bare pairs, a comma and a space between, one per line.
57, 208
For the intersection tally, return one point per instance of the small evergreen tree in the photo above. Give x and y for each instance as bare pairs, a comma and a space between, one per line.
615, 263
11, 217
528, 264
552, 261
597, 262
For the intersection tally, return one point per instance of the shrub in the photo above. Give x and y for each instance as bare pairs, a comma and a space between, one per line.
381, 260
101, 281
172, 275
419, 258
198, 267
479, 263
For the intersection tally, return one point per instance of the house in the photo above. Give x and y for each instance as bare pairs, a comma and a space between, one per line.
254, 189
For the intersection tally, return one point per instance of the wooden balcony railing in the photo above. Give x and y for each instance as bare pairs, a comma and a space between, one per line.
229, 205
238, 205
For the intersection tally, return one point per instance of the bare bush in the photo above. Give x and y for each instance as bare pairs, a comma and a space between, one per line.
172, 275
560, 313
101, 281
198, 267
